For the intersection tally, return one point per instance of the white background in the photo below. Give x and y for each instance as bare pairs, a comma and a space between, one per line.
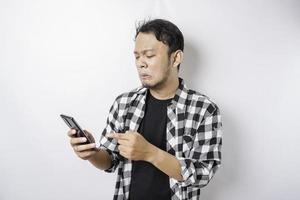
74, 57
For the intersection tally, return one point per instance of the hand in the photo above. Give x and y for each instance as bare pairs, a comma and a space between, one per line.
134, 146
83, 151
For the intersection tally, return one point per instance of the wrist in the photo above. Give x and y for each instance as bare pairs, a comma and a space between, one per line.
94, 155
152, 154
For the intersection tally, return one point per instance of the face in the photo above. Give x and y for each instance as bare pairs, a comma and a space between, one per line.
152, 60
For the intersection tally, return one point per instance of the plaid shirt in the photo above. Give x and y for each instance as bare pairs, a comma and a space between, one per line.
193, 133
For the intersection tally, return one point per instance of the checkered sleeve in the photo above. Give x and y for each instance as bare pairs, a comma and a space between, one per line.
205, 155
113, 124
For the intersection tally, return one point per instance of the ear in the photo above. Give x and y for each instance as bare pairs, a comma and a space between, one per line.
178, 58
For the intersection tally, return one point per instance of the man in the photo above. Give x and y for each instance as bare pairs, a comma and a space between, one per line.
164, 138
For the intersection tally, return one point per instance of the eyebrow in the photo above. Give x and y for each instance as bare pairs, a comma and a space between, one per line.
144, 51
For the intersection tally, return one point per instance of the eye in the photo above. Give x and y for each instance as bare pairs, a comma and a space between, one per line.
150, 56
137, 57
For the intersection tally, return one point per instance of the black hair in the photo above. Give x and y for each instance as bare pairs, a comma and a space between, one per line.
164, 31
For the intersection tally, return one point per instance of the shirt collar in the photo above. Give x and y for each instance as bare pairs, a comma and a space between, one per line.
180, 95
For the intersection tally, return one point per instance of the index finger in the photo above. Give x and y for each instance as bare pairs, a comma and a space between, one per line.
71, 133
118, 136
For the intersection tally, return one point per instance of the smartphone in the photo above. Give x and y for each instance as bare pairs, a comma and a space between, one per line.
71, 123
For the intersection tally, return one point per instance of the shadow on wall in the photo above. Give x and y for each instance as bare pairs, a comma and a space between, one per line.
190, 68
226, 177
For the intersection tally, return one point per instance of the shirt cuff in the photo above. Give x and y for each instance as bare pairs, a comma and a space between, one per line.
191, 171
114, 161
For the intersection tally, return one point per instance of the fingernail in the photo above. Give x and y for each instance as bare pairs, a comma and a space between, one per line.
73, 131
83, 139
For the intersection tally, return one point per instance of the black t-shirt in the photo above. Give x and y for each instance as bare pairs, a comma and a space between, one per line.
147, 181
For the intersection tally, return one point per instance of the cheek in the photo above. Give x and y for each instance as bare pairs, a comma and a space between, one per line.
157, 64
153, 63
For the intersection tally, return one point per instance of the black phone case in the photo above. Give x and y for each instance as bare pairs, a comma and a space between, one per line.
71, 123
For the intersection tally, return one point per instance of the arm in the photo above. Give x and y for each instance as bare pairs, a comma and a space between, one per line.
98, 157
165, 162
201, 160
101, 160
133, 146
105, 157
204, 157
109, 146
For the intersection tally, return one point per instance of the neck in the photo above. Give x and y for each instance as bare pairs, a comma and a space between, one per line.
167, 90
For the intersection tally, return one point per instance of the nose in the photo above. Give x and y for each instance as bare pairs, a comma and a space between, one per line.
141, 63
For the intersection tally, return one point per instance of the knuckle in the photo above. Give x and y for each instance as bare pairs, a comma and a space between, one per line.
80, 155
88, 154
73, 141
77, 148
71, 132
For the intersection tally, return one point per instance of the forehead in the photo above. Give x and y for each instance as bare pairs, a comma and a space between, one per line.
146, 42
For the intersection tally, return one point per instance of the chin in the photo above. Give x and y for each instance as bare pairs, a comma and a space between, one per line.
146, 84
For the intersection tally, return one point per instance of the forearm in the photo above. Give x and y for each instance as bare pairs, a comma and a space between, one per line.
171, 166
166, 162
101, 159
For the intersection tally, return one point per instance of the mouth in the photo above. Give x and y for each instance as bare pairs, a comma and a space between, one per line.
145, 76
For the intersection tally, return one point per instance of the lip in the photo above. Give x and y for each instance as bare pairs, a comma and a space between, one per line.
145, 76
